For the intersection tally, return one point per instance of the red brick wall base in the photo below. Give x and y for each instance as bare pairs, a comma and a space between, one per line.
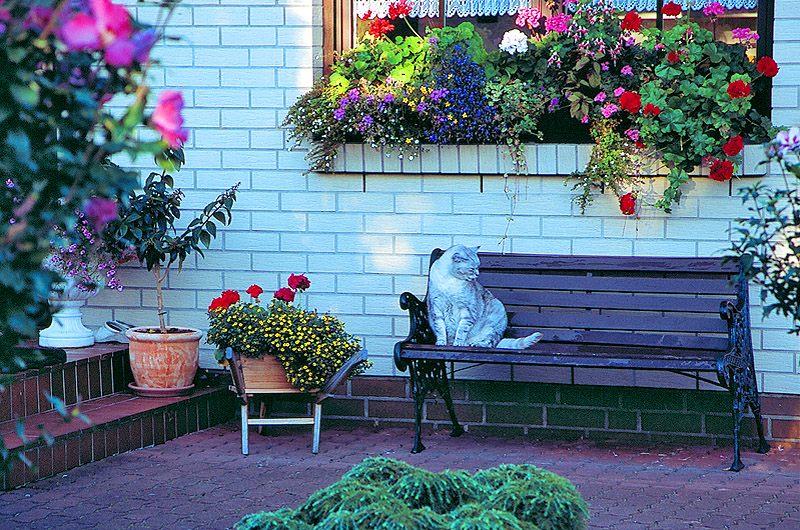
544, 410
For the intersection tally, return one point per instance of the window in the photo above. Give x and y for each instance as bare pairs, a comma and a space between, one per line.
492, 18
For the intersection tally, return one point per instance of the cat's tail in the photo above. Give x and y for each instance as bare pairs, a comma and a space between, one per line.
520, 343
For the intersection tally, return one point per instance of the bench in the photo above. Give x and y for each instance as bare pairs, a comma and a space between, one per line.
682, 315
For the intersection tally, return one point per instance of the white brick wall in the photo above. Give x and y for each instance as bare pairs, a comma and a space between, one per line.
240, 64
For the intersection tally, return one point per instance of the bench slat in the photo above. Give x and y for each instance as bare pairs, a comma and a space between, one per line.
684, 304
621, 284
494, 260
547, 354
616, 321
664, 340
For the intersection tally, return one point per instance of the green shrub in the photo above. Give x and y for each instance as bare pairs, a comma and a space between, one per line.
385, 494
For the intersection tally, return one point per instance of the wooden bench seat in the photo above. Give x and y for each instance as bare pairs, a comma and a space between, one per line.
684, 315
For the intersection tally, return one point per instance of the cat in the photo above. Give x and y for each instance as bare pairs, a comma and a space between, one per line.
461, 311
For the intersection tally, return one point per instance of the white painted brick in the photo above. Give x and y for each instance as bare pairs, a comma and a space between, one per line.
221, 138
336, 304
391, 264
181, 15
257, 241
221, 57
482, 204
451, 224
224, 261
203, 159
702, 229
193, 36
366, 202
341, 222
270, 139
221, 97
393, 224
278, 180
546, 159
302, 16
271, 261
448, 159
652, 247
382, 304
201, 117
335, 263
429, 159
781, 383
291, 35
354, 157
524, 225
335, 182
623, 226
250, 159
225, 178
308, 202
775, 361
412, 203
780, 340
372, 160
308, 242
221, 16
286, 221
267, 97
364, 283
602, 246
300, 57
267, 16
193, 77
248, 36
450, 183
254, 118
270, 57
567, 160
178, 56
392, 165
247, 77
468, 159
488, 159
785, 96
558, 226
397, 184
365, 243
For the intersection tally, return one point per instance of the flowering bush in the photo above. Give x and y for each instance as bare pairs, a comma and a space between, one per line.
679, 95
311, 347
769, 241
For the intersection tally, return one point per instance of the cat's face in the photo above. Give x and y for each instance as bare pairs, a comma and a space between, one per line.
464, 262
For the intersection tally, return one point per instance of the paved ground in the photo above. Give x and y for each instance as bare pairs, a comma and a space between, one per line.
202, 481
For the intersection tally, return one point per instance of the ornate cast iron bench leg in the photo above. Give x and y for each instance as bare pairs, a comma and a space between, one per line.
427, 376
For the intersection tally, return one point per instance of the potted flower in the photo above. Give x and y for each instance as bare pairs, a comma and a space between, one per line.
85, 265
164, 359
280, 347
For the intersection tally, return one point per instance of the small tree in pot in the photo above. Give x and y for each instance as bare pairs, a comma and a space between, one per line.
164, 360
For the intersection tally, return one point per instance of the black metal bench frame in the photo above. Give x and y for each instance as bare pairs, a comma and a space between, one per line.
532, 286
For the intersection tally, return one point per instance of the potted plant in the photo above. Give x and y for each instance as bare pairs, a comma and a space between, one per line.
281, 347
164, 360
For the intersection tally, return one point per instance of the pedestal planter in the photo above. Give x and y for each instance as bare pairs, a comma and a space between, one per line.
163, 364
67, 329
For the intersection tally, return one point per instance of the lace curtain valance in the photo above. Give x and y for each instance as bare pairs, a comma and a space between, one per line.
471, 8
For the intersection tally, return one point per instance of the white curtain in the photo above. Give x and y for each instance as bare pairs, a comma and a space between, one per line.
697, 5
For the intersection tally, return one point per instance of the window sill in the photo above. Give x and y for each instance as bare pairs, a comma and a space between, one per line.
542, 159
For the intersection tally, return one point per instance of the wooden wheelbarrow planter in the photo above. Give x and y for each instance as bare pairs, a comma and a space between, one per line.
262, 377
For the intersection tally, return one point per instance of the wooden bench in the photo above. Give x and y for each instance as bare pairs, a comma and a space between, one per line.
683, 315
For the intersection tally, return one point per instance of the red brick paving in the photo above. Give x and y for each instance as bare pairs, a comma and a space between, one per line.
202, 482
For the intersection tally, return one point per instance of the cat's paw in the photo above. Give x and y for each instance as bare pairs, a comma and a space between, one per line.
441, 342
531, 339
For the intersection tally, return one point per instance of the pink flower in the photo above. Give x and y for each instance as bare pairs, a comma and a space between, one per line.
744, 34
600, 97
558, 23
626, 70
113, 20
299, 282
167, 118
120, 52
528, 17
80, 33
714, 9
618, 91
633, 134
608, 110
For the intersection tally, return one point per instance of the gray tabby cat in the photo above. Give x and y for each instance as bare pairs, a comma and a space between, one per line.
461, 311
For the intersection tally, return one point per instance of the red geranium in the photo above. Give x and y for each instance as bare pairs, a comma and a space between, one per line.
673, 57
399, 9
651, 109
224, 301
630, 101
632, 21
299, 282
285, 294
721, 170
738, 89
627, 204
255, 291
379, 27
734, 146
671, 9
767, 66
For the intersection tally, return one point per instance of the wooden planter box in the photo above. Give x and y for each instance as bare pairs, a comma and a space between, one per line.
266, 376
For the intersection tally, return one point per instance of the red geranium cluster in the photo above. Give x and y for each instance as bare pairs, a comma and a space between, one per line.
630, 101
671, 10
399, 9
297, 284
721, 170
227, 299
632, 22
734, 146
627, 204
651, 109
738, 89
767, 66
379, 27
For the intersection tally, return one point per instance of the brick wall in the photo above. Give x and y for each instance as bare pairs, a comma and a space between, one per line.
363, 237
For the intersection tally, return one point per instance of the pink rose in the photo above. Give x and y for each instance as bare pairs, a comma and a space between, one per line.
80, 33
167, 118
120, 52
112, 19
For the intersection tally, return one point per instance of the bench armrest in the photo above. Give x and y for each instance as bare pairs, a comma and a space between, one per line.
419, 330
739, 355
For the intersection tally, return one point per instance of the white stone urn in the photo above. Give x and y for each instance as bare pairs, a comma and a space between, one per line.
67, 329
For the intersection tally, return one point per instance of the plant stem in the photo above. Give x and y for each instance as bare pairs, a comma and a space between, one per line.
159, 297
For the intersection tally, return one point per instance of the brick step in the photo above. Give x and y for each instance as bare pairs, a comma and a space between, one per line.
118, 423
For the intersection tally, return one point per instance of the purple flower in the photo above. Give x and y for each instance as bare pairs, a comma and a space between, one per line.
604, 66
601, 97
618, 91
353, 93
433, 41
633, 134
338, 114
9, 183
626, 70
366, 121
388, 98
343, 102
143, 41
421, 107
553, 104
100, 212
438, 94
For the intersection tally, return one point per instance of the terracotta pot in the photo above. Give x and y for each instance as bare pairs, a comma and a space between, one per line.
163, 364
